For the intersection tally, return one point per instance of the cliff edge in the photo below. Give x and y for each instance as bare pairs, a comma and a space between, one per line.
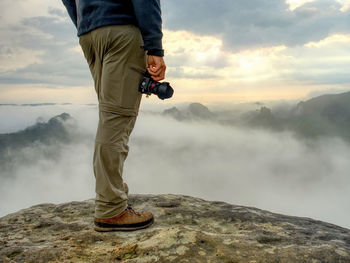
187, 229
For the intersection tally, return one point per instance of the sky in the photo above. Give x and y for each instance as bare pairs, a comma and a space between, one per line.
216, 51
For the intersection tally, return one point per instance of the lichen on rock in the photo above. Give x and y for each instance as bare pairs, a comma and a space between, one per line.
186, 229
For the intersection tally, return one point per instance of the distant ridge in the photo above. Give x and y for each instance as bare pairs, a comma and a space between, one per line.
324, 115
44, 132
194, 111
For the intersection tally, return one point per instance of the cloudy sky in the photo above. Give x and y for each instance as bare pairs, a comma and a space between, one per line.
216, 51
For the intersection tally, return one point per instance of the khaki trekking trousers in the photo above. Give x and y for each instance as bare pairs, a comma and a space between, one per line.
116, 60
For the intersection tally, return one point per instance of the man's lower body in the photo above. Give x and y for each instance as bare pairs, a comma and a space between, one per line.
116, 60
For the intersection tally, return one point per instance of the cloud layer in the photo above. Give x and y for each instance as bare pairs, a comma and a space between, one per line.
273, 171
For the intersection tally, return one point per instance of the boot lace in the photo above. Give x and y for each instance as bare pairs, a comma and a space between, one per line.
132, 211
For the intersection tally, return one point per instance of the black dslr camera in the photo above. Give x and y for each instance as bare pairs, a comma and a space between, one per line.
148, 86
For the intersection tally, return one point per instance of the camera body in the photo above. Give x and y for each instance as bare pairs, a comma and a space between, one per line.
148, 86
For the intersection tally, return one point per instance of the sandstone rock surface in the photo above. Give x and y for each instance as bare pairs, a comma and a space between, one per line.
187, 229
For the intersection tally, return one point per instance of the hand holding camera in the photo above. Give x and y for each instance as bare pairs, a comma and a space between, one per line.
155, 72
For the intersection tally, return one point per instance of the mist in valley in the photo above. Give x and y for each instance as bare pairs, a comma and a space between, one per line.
238, 155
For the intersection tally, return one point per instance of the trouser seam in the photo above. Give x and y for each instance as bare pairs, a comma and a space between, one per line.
107, 144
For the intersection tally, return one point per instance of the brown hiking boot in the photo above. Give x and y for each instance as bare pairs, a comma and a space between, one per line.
129, 220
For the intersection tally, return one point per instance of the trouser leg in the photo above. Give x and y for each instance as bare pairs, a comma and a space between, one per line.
116, 59
111, 150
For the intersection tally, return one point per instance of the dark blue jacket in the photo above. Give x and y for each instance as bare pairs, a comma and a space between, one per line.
146, 14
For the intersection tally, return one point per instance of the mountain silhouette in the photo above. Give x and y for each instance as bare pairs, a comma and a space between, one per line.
194, 111
174, 113
199, 111
55, 130
325, 115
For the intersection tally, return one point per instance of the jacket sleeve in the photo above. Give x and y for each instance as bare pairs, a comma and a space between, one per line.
72, 10
149, 19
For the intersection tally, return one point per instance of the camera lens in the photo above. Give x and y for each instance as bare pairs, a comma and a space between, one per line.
165, 91
162, 89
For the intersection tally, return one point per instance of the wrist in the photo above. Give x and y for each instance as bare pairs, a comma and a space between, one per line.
156, 52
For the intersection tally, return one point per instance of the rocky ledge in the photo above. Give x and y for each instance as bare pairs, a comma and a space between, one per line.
187, 229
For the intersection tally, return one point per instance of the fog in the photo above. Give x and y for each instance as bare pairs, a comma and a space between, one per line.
251, 167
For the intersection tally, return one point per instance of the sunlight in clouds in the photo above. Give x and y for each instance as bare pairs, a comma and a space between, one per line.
293, 4
201, 70
203, 50
189, 42
255, 65
328, 41
202, 55
345, 5
11, 59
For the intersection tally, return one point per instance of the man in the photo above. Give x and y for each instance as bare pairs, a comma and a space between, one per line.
120, 39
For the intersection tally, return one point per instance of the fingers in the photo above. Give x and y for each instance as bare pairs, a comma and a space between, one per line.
156, 67
159, 77
159, 74
155, 70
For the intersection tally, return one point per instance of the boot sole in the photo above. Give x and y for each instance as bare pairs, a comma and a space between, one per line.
121, 228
